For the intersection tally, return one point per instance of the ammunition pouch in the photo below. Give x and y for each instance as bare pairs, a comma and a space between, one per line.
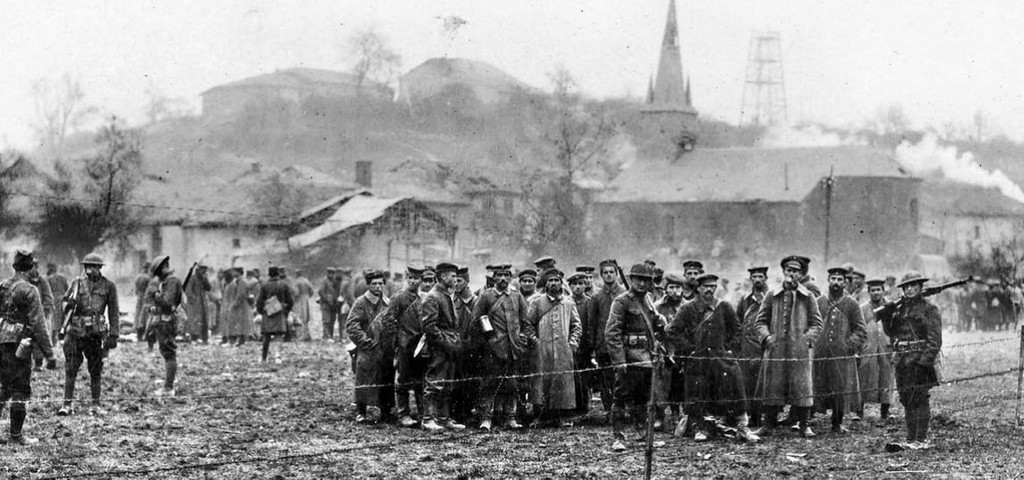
90, 325
635, 341
10, 331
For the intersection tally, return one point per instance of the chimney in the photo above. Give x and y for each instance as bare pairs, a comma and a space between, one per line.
364, 173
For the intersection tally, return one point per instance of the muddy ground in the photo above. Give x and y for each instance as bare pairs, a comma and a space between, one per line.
236, 418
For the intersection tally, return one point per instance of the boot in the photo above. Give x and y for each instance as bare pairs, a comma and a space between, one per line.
743, 429
431, 426
924, 415
911, 419
884, 413
170, 371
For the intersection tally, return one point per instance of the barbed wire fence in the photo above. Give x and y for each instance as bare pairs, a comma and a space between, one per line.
328, 398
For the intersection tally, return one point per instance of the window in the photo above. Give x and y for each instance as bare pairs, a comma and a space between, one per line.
236, 243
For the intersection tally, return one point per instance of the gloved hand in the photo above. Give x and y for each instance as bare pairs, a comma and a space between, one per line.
110, 343
51, 363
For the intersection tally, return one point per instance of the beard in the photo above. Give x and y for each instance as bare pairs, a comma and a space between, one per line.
836, 288
501, 284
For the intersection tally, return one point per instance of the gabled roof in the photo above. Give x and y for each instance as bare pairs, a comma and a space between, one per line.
745, 174
359, 210
298, 78
948, 197
489, 83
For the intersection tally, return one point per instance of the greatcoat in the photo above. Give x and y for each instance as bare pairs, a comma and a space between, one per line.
842, 336
877, 380
792, 317
553, 325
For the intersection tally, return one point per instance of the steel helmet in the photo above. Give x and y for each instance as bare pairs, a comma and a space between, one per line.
93, 259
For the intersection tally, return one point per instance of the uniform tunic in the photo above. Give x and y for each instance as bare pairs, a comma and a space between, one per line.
709, 334
750, 350
877, 380
842, 336
671, 379
553, 325
504, 347
276, 323
369, 353
442, 338
20, 304
916, 331
238, 300
630, 336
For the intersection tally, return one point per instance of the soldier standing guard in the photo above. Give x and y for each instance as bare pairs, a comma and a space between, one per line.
21, 320
93, 326
836, 383
915, 327
164, 297
632, 332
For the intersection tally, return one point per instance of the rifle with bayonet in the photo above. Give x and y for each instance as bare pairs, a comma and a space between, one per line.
70, 307
925, 292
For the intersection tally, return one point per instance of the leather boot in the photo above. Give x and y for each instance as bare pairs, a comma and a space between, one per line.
924, 415
170, 371
743, 430
911, 419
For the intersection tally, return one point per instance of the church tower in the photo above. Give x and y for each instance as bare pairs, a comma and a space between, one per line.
668, 114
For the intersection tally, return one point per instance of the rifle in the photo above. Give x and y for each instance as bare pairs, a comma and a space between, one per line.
188, 278
622, 275
70, 308
925, 292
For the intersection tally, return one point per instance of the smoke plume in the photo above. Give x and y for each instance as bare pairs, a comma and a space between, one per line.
927, 157
786, 136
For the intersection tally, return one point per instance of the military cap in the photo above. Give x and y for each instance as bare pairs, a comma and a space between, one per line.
332, 270
527, 272
658, 273
371, 275
608, 263
462, 270
641, 270
838, 271
446, 267
158, 262
578, 277
912, 277
347, 270
857, 273
24, 260
761, 270
707, 278
800, 262
651, 262
849, 267
414, 269
875, 282
238, 270
93, 259
274, 271
544, 263
428, 272
500, 267
549, 274
585, 268
673, 278
693, 264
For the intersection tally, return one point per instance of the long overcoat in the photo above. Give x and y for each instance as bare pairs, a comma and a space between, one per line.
555, 330
707, 334
877, 379
369, 353
750, 350
792, 317
835, 364
278, 322
196, 307
237, 298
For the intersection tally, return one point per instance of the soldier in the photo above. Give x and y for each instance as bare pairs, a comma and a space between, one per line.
141, 309
467, 363
274, 303
21, 320
855, 285
528, 283
370, 366
329, 299
164, 297
915, 327
400, 327
93, 326
58, 286
305, 290
671, 379
657, 289
544, 263
749, 345
196, 306
707, 331
442, 339
552, 329
583, 354
600, 308
842, 336
588, 278
691, 270
46, 297
632, 333
500, 312
875, 370
788, 324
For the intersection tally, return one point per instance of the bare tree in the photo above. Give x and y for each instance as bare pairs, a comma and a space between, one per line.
60, 108
374, 58
159, 106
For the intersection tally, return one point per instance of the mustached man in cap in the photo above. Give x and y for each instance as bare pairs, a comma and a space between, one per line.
915, 328
274, 303
553, 329
440, 326
749, 345
588, 278
691, 270
467, 364
671, 381
164, 295
578, 287
788, 325
21, 311
93, 327
400, 332
600, 307
503, 310
527, 279
877, 380
373, 366
707, 331
633, 334
836, 383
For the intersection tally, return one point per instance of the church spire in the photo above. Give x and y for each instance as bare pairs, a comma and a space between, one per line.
650, 90
671, 28
669, 88
689, 100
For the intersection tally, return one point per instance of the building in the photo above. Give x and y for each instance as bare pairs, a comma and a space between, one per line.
485, 83
668, 114
227, 102
967, 219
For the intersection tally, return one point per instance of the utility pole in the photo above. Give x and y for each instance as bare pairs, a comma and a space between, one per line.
829, 183
764, 89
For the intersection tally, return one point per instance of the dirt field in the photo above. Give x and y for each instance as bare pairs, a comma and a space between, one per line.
235, 418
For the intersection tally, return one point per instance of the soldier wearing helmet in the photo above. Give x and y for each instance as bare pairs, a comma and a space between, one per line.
164, 296
21, 320
632, 334
92, 326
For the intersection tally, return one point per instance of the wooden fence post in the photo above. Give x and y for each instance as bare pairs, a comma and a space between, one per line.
1020, 376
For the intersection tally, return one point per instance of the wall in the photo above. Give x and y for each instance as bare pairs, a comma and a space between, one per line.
964, 233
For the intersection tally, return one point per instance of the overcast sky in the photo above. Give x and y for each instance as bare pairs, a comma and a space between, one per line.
941, 61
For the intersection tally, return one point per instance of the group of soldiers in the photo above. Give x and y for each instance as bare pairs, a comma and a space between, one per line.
532, 345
